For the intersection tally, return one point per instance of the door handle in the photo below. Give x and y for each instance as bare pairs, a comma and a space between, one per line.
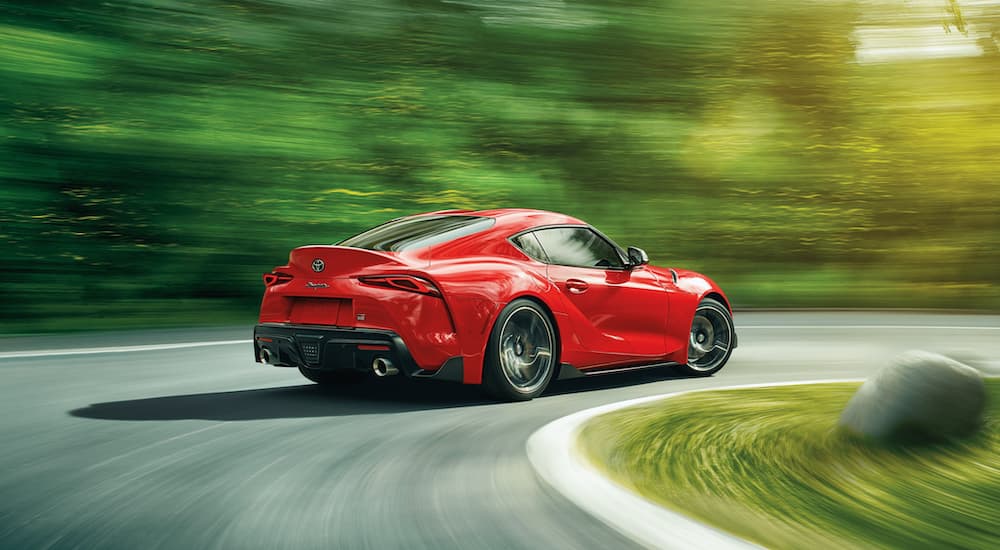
576, 286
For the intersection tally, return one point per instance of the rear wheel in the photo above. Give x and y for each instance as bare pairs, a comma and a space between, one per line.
521, 355
332, 377
710, 342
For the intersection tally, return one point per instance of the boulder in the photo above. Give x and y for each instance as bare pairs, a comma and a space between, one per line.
921, 396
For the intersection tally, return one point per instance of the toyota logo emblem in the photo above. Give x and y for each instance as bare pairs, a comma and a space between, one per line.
318, 265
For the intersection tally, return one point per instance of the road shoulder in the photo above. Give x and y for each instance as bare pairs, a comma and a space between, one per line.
555, 455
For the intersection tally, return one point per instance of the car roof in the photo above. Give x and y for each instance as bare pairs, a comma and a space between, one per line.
513, 220
507, 222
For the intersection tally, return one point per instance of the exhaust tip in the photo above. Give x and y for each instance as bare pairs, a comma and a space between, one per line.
383, 367
265, 355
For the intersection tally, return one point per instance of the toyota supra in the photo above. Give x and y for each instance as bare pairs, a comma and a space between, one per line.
509, 299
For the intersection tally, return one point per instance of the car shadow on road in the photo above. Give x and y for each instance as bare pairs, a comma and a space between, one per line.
305, 401
394, 395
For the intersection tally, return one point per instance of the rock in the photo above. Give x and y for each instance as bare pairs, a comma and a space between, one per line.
920, 396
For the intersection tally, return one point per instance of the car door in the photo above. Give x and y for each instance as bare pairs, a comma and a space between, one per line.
615, 309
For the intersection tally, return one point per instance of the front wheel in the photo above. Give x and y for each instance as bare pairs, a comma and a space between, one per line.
711, 340
521, 355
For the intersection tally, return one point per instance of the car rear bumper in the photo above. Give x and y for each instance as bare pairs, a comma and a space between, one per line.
337, 348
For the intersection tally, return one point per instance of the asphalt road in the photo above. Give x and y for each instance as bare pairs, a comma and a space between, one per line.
202, 448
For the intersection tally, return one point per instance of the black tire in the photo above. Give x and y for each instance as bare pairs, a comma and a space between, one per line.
522, 354
710, 342
332, 377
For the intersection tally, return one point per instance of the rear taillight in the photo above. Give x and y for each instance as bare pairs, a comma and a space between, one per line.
276, 278
403, 282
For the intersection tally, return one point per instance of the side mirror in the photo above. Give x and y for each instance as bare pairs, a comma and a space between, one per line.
637, 257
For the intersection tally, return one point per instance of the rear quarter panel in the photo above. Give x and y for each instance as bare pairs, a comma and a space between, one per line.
476, 290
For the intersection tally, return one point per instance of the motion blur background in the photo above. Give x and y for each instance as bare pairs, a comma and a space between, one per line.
158, 155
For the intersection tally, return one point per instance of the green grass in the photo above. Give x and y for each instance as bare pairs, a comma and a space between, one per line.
770, 465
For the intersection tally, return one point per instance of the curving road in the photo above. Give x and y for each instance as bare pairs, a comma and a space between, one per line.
198, 447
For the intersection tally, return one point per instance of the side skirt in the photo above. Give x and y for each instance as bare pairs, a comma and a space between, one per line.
568, 372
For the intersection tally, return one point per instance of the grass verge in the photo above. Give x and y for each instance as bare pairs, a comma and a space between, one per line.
769, 465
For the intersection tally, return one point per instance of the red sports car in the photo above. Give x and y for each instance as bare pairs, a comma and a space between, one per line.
509, 299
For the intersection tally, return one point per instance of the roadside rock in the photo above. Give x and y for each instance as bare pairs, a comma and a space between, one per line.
920, 396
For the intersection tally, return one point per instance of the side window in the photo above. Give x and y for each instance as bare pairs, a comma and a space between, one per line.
529, 245
578, 246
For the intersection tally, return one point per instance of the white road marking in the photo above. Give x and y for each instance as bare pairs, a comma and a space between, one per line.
555, 454
119, 349
182, 345
850, 327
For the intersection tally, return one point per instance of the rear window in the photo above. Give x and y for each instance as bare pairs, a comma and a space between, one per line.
529, 245
417, 232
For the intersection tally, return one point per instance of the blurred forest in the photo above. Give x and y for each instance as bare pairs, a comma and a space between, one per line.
159, 155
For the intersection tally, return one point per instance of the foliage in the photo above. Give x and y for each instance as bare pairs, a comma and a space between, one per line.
158, 155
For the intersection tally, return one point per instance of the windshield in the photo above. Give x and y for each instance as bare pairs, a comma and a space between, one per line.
417, 232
